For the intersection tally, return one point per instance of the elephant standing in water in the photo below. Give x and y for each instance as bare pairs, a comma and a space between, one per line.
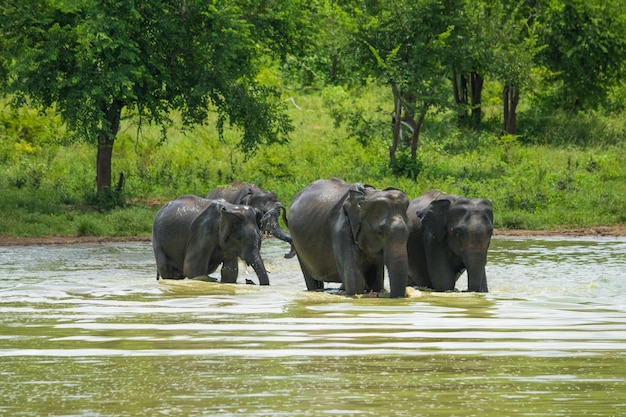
449, 234
192, 236
348, 233
264, 202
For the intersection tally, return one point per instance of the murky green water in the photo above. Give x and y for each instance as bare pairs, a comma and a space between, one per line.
88, 331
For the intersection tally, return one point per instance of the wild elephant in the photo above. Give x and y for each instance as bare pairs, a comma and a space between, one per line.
348, 233
192, 236
449, 234
263, 201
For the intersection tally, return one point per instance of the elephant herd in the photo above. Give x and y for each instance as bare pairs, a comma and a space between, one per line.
340, 232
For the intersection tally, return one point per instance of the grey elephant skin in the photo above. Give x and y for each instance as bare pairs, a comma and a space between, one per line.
263, 201
449, 234
348, 233
192, 236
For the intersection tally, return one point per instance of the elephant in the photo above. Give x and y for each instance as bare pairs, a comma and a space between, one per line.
192, 236
265, 202
448, 235
348, 233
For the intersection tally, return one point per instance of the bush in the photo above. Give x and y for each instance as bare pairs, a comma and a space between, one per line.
89, 227
584, 129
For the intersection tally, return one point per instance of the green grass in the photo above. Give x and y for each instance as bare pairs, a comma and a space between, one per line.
32, 213
554, 175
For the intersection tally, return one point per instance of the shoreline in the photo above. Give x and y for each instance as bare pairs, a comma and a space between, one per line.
599, 231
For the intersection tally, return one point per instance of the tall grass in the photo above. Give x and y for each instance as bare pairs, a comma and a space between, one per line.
558, 173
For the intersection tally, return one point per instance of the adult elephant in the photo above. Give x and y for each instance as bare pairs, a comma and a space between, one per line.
348, 233
192, 236
263, 201
449, 234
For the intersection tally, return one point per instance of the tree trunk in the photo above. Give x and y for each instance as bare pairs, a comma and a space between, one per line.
510, 98
468, 91
476, 84
333, 68
106, 139
396, 125
416, 132
459, 89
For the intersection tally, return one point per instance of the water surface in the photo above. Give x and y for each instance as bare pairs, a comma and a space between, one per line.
88, 331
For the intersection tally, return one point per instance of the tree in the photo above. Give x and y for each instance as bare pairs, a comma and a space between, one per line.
93, 59
514, 52
471, 58
326, 35
407, 46
585, 50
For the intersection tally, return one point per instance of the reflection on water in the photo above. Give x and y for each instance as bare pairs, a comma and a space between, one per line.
87, 330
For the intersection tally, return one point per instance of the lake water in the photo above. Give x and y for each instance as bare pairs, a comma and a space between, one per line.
88, 331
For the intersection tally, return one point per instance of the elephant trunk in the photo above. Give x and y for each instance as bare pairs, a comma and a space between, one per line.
259, 268
269, 223
397, 264
476, 276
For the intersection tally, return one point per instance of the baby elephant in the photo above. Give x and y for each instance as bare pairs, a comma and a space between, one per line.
192, 236
265, 203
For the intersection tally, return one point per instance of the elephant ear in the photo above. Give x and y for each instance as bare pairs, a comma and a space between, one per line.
244, 195
435, 218
259, 215
488, 205
230, 220
352, 207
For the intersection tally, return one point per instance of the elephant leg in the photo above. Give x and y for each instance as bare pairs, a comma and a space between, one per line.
374, 278
165, 268
442, 272
352, 278
442, 275
230, 271
311, 283
169, 272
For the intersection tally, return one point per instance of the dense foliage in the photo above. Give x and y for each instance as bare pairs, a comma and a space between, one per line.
520, 102
93, 59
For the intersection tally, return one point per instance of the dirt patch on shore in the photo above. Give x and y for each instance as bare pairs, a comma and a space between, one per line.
619, 230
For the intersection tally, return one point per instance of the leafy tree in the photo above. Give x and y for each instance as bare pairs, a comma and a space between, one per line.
92, 59
324, 54
514, 53
472, 57
406, 44
585, 50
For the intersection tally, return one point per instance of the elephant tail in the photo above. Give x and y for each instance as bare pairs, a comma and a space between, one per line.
292, 251
158, 275
284, 211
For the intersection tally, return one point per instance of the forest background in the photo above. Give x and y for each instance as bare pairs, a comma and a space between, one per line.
111, 108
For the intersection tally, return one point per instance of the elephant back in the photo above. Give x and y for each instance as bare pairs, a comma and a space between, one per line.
318, 198
236, 193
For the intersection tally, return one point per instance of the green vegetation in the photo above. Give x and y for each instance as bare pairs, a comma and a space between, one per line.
518, 101
569, 174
